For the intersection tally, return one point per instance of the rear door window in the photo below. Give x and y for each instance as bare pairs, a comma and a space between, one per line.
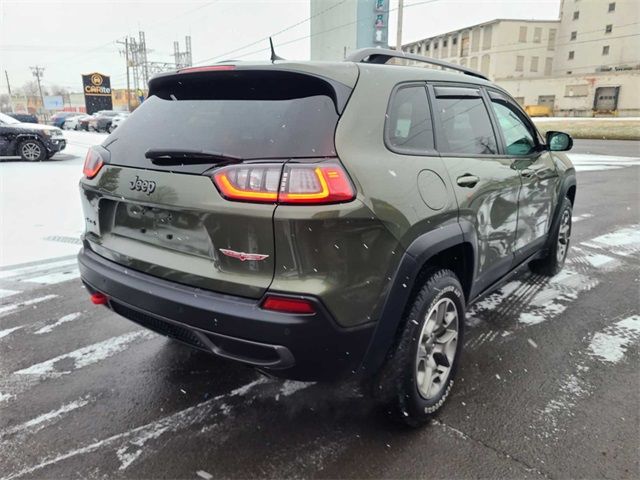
408, 128
465, 126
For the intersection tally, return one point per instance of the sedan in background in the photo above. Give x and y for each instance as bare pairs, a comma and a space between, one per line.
117, 120
101, 121
73, 123
58, 118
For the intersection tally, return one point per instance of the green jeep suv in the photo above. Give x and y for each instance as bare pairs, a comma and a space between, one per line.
321, 221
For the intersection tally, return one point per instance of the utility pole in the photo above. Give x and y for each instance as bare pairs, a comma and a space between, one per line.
38, 72
6, 74
126, 56
399, 32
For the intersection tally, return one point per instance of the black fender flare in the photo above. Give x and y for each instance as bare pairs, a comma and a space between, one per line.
423, 248
20, 137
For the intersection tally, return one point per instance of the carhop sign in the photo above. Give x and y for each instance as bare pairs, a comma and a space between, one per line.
97, 92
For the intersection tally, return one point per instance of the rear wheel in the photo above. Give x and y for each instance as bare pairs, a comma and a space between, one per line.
558, 249
32, 151
423, 367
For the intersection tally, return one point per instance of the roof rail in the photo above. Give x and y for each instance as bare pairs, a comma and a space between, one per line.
383, 55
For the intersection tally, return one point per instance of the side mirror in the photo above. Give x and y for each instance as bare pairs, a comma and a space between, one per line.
559, 141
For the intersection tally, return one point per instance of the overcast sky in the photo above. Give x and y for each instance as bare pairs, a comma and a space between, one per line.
69, 38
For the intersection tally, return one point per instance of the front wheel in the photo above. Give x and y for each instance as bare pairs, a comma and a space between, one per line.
424, 364
554, 259
32, 151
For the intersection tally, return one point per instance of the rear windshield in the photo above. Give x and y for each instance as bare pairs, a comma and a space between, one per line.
251, 117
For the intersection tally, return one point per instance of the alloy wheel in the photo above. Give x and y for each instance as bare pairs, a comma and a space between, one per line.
31, 151
564, 236
437, 348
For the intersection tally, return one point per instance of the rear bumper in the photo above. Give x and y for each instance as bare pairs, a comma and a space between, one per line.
302, 347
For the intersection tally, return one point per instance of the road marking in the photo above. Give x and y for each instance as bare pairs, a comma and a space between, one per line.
137, 437
37, 269
8, 293
4, 333
65, 319
610, 345
88, 355
41, 421
15, 306
56, 277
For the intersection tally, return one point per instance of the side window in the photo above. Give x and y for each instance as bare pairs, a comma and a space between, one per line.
518, 137
465, 123
408, 127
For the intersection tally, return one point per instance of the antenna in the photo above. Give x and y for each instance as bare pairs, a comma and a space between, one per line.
274, 57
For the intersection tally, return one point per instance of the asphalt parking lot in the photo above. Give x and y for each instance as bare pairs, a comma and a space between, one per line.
548, 387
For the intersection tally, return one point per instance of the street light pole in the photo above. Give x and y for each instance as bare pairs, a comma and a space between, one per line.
38, 72
6, 74
399, 32
126, 57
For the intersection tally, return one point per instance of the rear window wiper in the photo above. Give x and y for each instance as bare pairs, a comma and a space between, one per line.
177, 157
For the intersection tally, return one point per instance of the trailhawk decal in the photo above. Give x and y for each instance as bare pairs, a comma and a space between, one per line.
242, 256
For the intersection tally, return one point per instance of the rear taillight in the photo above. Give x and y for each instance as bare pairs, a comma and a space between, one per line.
288, 305
296, 183
92, 163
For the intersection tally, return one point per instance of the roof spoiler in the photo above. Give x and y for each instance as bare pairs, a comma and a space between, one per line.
383, 55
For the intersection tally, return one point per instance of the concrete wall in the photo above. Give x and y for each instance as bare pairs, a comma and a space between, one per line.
327, 41
574, 95
591, 36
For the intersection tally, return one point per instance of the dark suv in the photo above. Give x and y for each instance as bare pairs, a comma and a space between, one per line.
323, 220
30, 141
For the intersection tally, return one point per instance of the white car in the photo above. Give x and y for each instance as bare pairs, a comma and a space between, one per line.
117, 120
72, 123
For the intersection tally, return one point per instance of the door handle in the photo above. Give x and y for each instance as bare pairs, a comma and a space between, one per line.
467, 180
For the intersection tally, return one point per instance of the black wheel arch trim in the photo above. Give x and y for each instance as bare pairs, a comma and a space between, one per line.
567, 182
416, 256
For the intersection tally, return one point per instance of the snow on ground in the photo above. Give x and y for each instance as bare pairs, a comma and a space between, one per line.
40, 211
40, 201
585, 119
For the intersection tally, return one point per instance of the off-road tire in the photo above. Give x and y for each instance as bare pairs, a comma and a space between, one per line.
406, 403
32, 150
558, 247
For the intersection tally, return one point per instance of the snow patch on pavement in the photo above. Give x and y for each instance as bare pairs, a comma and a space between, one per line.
8, 331
15, 306
8, 293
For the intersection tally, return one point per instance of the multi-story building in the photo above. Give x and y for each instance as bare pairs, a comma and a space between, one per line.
501, 48
586, 63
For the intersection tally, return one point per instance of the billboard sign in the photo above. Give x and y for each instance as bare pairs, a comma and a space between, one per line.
53, 102
97, 92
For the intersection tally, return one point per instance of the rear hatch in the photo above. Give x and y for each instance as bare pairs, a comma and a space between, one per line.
153, 205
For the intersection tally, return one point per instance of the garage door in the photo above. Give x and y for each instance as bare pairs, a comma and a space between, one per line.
606, 99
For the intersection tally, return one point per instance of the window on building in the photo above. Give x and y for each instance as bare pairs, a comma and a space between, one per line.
454, 41
548, 66
571, 55
408, 127
537, 35
576, 15
518, 137
605, 50
475, 39
486, 37
534, 64
608, 29
519, 63
522, 37
465, 123
486, 63
574, 35
612, 7
551, 43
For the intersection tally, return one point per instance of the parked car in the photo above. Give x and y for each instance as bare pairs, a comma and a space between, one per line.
24, 117
73, 123
31, 142
58, 118
117, 120
83, 122
324, 220
101, 121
